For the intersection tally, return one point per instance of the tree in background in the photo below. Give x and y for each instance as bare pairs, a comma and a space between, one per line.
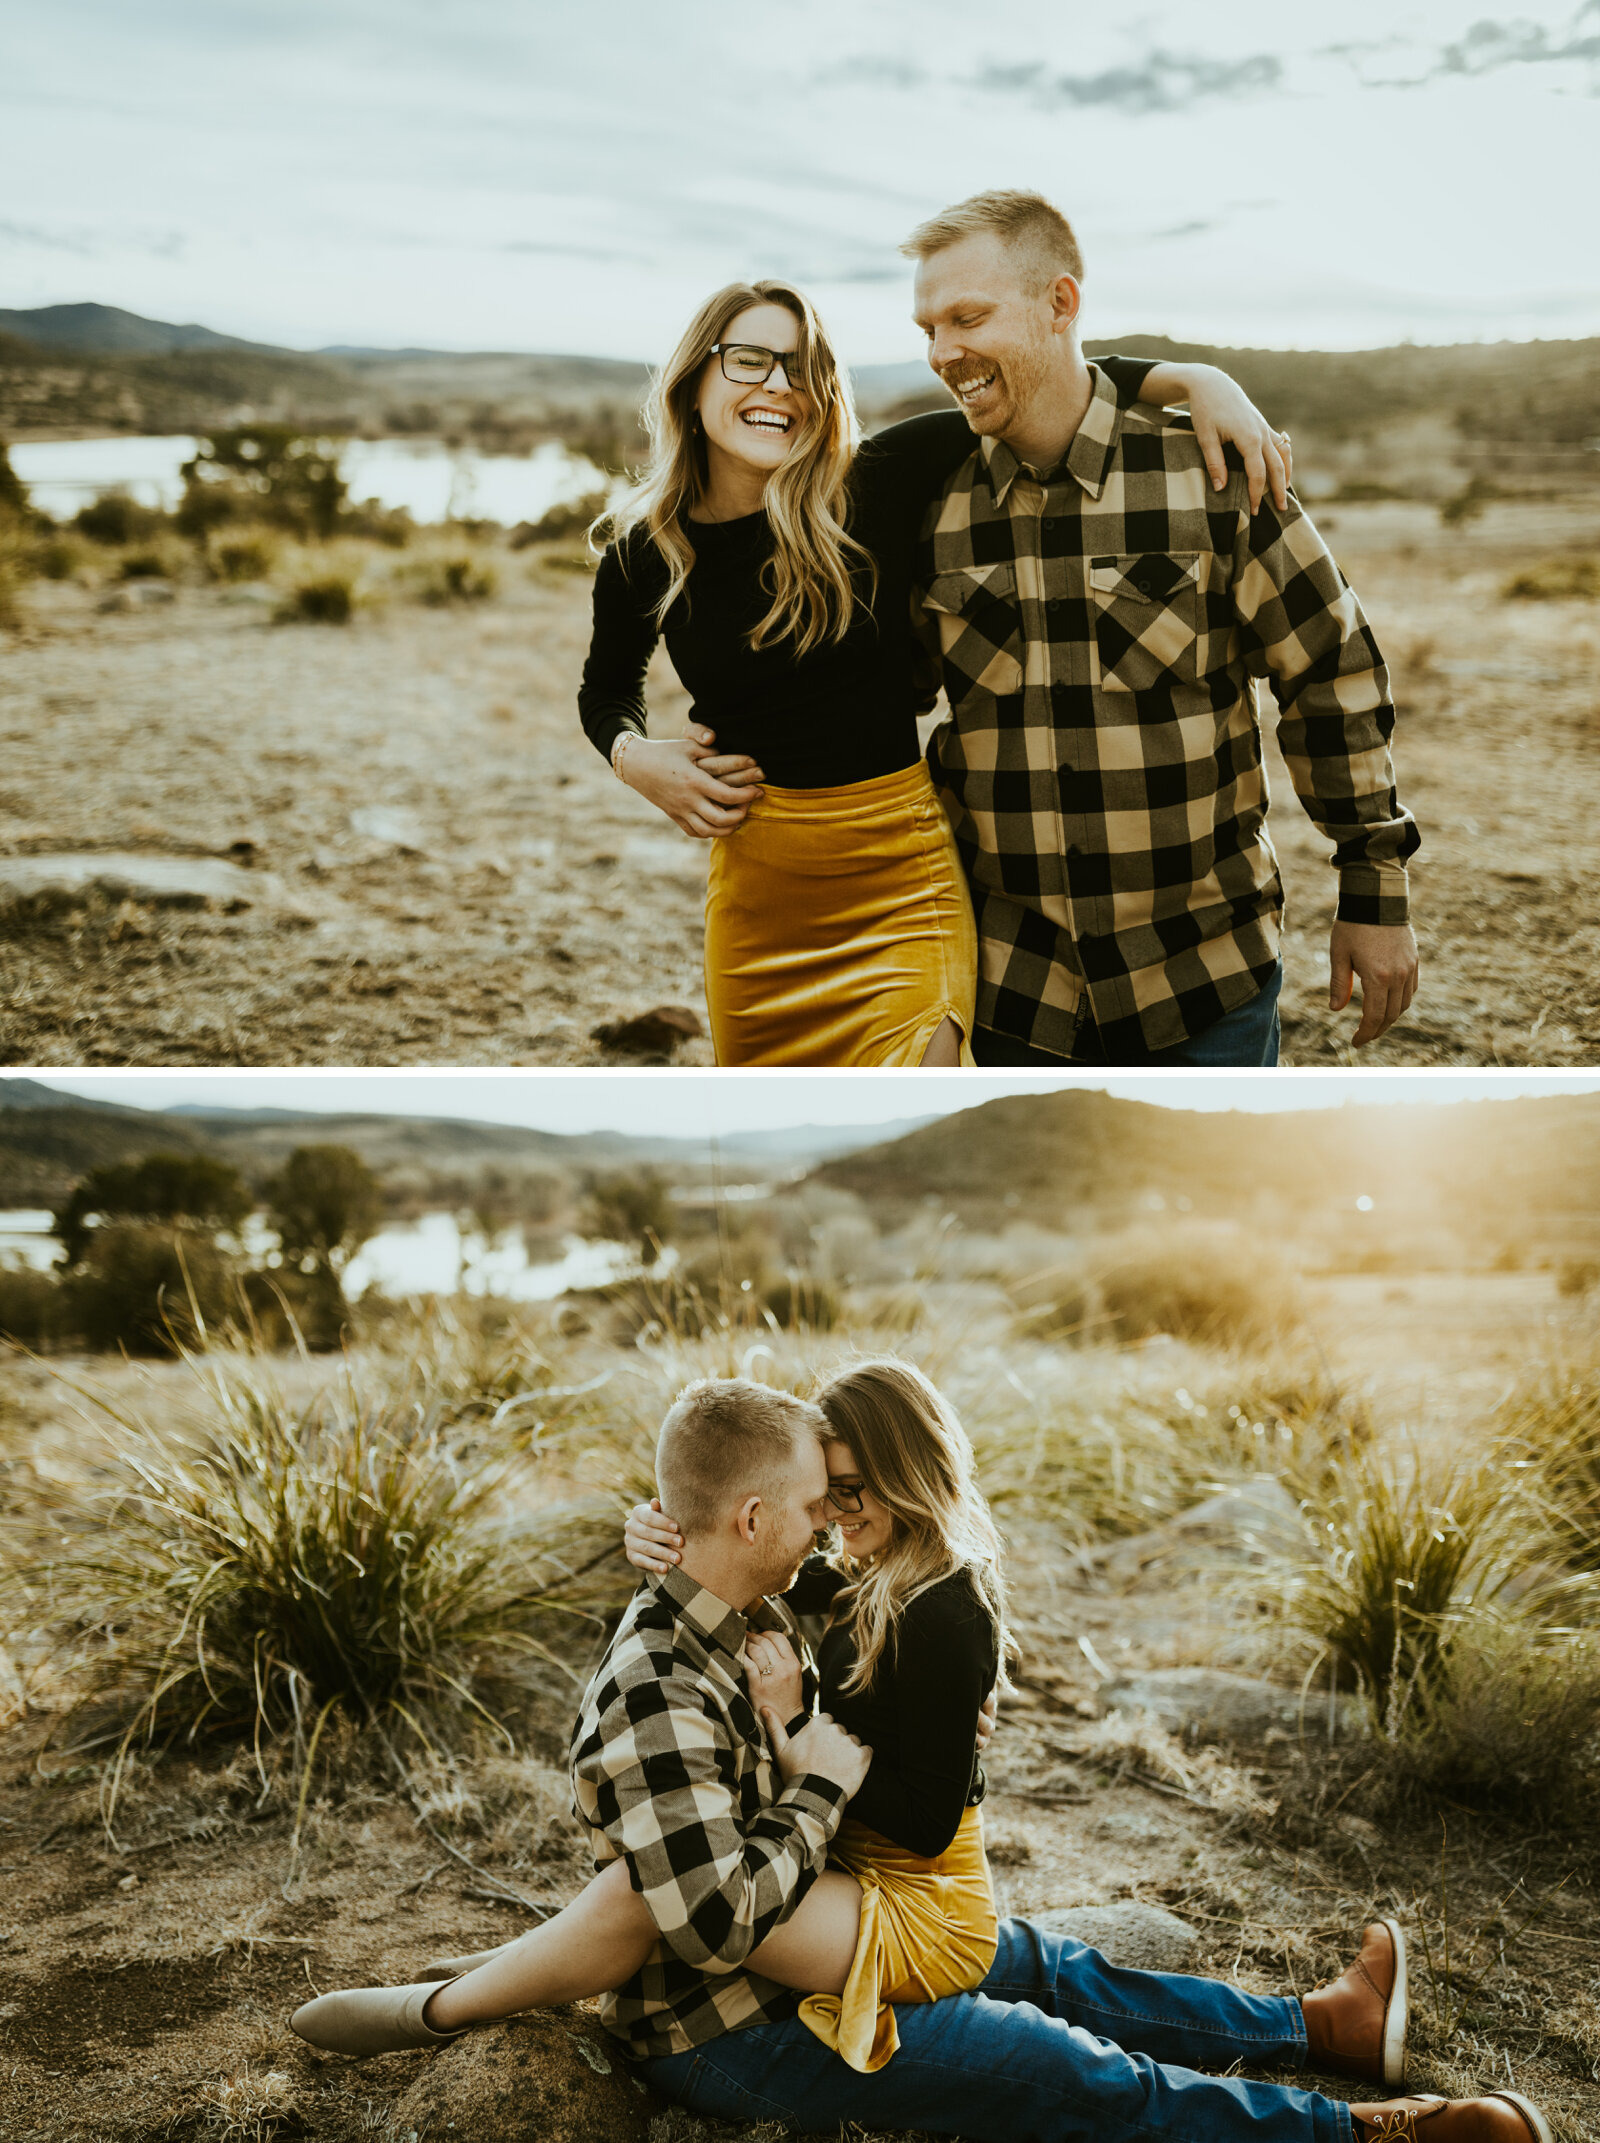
632, 1208
263, 472
323, 1205
175, 1190
13, 491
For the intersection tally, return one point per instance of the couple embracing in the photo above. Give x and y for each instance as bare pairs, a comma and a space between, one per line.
792, 1918
1080, 870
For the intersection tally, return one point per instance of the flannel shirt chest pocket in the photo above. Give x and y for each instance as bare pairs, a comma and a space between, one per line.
1146, 611
980, 631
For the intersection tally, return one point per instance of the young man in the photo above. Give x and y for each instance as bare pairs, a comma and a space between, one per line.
1103, 605
723, 1838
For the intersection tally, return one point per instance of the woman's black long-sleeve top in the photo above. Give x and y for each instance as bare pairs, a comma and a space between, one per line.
920, 1716
836, 714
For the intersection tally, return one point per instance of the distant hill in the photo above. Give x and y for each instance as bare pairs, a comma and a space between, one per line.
49, 1138
1084, 1156
105, 330
89, 366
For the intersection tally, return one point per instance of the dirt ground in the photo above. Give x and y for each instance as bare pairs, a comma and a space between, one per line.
441, 871
147, 1968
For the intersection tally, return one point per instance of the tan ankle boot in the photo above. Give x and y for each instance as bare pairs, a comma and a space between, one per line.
1502, 2117
1356, 2026
371, 2020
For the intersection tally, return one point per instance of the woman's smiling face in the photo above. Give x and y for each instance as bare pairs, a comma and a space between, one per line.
756, 424
865, 1531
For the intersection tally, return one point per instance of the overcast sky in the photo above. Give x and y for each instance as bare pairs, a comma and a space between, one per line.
555, 177
692, 1104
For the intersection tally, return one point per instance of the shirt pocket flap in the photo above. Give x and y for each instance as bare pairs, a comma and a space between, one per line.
956, 594
1155, 577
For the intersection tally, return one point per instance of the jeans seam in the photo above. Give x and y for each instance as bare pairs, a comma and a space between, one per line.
1001, 1988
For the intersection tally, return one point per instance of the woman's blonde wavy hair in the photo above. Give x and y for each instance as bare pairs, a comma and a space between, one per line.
916, 1459
809, 574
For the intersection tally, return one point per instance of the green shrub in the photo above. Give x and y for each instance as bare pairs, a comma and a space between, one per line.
456, 580
799, 1303
1188, 1280
115, 518
56, 558
13, 491
1468, 504
33, 1311
149, 1289
270, 1564
327, 601
575, 518
1404, 1552
389, 525
1557, 580
167, 1187
263, 472
144, 565
242, 558
1511, 1724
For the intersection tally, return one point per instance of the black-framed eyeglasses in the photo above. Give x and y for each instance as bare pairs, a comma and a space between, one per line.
847, 1500
747, 364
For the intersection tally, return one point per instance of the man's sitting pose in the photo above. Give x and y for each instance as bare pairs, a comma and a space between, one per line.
1104, 604
724, 1827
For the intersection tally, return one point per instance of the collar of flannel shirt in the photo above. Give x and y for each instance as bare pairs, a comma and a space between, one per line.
1088, 459
710, 1617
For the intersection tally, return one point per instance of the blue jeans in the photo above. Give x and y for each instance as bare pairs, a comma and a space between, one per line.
1056, 2044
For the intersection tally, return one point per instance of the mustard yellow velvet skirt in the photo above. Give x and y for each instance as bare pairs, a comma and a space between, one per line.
928, 1929
838, 927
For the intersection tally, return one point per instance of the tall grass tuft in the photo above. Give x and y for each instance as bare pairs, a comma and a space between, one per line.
273, 1564
1401, 1553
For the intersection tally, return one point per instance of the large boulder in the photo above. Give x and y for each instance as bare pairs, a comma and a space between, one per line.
1205, 1704
1141, 1938
553, 2076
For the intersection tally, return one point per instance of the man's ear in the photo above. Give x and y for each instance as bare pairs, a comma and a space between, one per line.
745, 1520
1066, 301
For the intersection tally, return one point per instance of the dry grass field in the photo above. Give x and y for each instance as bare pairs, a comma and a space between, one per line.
152, 1943
433, 867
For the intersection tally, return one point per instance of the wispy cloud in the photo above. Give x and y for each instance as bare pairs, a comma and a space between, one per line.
1160, 82
1489, 46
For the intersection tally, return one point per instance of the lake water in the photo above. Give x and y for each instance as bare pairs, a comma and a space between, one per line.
429, 1256
432, 481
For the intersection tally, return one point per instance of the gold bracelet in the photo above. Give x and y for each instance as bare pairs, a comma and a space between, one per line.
619, 751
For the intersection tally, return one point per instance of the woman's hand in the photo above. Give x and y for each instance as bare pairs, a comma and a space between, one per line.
772, 1672
1223, 412
705, 794
988, 1713
650, 1540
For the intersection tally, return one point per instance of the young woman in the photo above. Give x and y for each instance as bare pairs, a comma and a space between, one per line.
773, 552
912, 1652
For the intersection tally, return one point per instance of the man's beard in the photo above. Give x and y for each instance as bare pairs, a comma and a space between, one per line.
1019, 374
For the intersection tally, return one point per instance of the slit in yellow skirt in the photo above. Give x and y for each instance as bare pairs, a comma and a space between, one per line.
928, 1929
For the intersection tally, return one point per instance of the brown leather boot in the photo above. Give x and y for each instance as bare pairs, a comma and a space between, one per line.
1502, 2117
1356, 2026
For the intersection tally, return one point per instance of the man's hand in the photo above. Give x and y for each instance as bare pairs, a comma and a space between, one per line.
650, 1540
1221, 412
988, 1711
773, 1673
821, 1747
1384, 956
706, 795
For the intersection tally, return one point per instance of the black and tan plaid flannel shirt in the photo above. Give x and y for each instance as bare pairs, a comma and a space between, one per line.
671, 1770
1100, 629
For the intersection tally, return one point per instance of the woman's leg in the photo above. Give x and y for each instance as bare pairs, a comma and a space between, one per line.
815, 1946
944, 1051
590, 1946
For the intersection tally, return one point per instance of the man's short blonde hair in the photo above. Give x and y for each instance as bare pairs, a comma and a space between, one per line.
1030, 226
727, 1438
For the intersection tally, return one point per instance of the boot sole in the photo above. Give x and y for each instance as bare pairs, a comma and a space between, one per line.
1397, 2016
1538, 2125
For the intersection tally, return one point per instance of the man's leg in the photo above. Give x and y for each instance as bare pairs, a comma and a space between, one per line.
1246, 1037
1029, 2059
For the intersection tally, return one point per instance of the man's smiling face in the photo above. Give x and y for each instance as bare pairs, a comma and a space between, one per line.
990, 341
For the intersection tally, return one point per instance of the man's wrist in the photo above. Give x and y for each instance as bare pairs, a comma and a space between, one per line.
1374, 894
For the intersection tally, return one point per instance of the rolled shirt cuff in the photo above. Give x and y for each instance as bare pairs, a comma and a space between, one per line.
1374, 893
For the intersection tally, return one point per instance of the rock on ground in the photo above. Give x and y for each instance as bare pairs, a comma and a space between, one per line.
1141, 1938
555, 2075
1205, 1704
161, 881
